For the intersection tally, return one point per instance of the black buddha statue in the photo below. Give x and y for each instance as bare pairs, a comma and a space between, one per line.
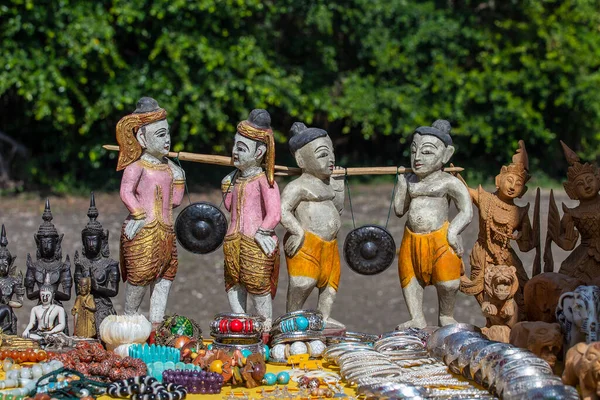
11, 284
48, 262
97, 265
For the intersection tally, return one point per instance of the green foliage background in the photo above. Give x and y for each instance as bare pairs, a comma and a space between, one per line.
368, 71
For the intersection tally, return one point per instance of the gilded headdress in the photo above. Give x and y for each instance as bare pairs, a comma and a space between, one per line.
146, 112
520, 164
575, 169
258, 127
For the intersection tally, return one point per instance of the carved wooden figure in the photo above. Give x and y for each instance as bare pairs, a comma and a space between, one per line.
97, 265
498, 305
582, 366
251, 247
541, 338
500, 222
583, 184
310, 212
431, 249
151, 187
84, 310
542, 292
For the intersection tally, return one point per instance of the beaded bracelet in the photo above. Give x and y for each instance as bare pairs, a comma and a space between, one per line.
236, 323
299, 321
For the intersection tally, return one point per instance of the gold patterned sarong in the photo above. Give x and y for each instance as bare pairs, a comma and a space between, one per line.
317, 259
248, 265
150, 255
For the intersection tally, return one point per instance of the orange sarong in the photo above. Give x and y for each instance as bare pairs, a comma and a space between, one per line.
150, 255
316, 259
428, 257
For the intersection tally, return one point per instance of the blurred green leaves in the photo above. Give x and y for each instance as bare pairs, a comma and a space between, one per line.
369, 71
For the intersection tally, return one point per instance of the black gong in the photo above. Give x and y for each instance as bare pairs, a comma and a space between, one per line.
369, 250
201, 228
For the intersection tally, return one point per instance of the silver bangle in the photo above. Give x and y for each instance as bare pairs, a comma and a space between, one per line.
289, 322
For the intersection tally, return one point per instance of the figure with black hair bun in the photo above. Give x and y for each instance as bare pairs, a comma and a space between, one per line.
431, 249
310, 212
251, 194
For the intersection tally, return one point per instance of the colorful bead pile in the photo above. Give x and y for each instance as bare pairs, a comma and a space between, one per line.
29, 355
25, 377
196, 382
153, 353
92, 360
146, 388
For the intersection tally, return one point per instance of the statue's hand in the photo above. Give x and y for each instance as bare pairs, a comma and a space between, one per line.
15, 304
337, 181
25, 334
133, 227
266, 243
229, 180
455, 241
293, 244
489, 309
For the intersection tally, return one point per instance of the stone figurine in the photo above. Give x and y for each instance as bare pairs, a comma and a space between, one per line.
84, 310
543, 339
542, 292
582, 366
578, 313
310, 212
97, 265
48, 317
11, 285
251, 246
583, 184
500, 222
431, 248
151, 187
48, 263
498, 304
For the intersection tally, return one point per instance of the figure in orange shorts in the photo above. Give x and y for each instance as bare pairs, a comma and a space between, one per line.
431, 246
310, 212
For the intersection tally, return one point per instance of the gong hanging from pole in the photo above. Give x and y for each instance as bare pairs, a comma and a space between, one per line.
201, 227
369, 249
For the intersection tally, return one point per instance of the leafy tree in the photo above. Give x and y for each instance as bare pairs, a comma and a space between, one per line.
367, 71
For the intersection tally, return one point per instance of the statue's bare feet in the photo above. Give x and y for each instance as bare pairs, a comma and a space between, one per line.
447, 320
413, 323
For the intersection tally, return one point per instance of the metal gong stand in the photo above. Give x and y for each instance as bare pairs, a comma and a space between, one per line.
369, 249
200, 227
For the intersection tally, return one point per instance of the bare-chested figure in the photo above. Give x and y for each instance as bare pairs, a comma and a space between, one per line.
310, 212
46, 318
431, 249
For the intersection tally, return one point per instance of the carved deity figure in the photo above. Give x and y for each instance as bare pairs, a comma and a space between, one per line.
251, 247
47, 317
310, 212
583, 184
431, 248
97, 265
500, 222
84, 310
152, 185
499, 306
48, 263
11, 284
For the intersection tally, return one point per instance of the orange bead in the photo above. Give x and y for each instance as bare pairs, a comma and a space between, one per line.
41, 355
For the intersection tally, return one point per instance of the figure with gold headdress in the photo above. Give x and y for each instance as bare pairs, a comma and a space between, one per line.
583, 184
500, 222
251, 195
151, 187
